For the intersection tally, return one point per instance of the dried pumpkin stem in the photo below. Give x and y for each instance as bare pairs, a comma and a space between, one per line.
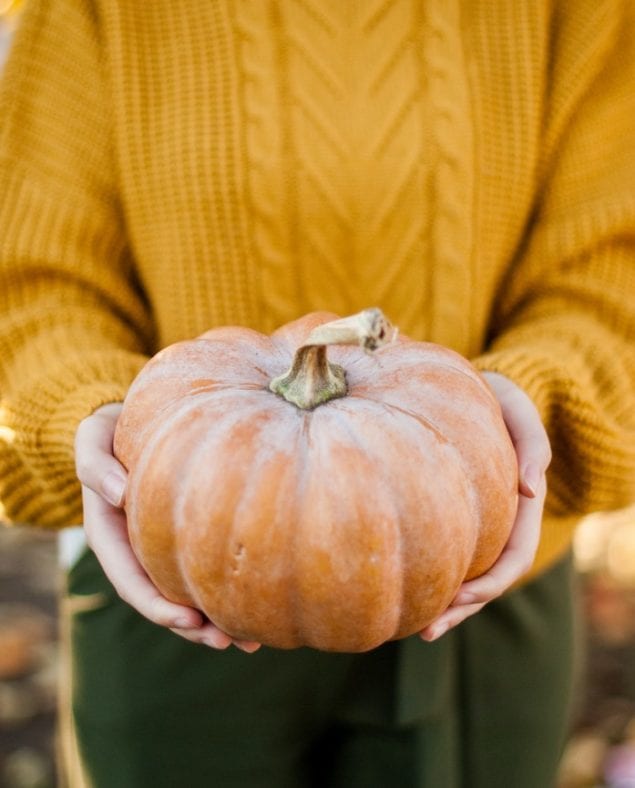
313, 379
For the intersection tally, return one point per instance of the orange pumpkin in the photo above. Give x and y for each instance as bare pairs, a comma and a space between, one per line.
341, 519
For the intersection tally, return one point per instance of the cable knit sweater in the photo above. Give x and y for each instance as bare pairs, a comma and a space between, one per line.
468, 166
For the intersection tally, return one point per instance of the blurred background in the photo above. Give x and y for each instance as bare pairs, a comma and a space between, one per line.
601, 748
8, 15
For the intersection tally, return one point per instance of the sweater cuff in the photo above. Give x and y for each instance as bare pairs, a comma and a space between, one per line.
530, 371
38, 483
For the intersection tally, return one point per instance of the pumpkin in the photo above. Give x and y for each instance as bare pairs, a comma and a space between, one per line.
337, 504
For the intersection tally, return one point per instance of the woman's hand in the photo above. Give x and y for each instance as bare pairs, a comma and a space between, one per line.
534, 455
103, 481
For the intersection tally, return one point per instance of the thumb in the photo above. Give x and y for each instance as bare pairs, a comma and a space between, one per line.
95, 463
526, 430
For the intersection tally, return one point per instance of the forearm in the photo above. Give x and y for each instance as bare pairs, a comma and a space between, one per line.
74, 325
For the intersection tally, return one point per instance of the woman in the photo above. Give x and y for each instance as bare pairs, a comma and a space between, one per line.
166, 168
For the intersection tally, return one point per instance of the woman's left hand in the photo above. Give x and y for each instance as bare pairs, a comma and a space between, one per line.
534, 455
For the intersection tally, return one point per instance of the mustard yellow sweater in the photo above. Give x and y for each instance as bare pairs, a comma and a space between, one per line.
469, 166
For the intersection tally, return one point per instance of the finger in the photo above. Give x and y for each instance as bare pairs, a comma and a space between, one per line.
529, 438
206, 635
248, 646
517, 557
210, 635
451, 618
95, 464
107, 535
526, 431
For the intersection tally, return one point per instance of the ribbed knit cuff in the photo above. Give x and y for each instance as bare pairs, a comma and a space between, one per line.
529, 370
583, 419
38, 484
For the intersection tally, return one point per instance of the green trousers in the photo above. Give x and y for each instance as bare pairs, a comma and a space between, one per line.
486, 706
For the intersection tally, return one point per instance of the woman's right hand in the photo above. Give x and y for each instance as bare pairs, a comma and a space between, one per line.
103, 481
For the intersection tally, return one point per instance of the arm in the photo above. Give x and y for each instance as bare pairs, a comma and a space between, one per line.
74, 327
563, 331
564, 325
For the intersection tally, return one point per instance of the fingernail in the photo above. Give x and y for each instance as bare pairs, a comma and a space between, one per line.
113, 487
432, 633
531, 479
464, 598
246, 646
218, 643
438, 631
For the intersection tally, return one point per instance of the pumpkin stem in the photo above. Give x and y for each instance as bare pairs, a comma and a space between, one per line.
313, 379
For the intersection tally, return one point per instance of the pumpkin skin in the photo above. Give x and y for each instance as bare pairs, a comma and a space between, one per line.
338, 528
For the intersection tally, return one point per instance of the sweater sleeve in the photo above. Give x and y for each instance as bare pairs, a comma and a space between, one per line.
74, 325
564, 328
